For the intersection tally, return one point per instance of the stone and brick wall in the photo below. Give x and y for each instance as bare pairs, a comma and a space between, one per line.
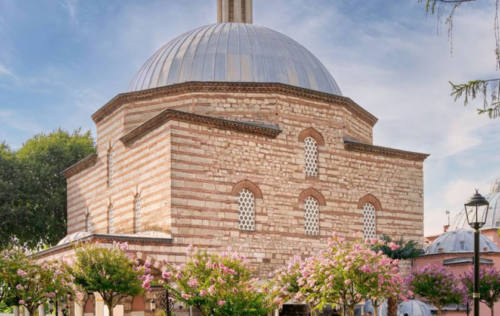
186, 173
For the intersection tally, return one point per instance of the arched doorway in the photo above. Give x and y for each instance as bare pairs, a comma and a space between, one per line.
89, 307
138, 306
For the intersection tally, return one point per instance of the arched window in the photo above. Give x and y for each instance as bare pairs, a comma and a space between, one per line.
311, 157
369, 221
89, 308
246, 210
137, 207
110, 167
88, 224
111, 227
311, 216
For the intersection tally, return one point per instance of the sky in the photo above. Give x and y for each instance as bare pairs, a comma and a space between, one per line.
61, 60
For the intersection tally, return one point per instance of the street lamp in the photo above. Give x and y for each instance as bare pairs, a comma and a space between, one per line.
51, 306
476, 210
153, 305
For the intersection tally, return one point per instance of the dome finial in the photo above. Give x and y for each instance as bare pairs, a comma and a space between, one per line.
495, 186
235, 11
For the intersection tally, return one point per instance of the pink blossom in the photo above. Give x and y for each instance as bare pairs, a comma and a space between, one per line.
347, 282
19, 287
211, 290
393, 246
222, 303
193, 283
185, 296
203, 293
167, 275
21, 302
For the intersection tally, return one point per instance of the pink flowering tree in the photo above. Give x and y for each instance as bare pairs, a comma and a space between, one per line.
218, 285
285, 283
489, 285
353, 271
31, 285
344, 274
109, 272
437, 284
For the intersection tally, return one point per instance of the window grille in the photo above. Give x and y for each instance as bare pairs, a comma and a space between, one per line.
369, 227
311, 216
138, 214
311, 157
246, 213
89, 224
110, 167
111, 220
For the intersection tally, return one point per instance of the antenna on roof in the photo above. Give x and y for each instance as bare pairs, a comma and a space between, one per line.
448, 213
235, 11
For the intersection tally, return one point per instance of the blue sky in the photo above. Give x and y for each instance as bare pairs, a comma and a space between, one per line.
61, 60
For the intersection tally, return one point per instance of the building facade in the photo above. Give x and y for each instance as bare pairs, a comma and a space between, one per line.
455, 247
235, 135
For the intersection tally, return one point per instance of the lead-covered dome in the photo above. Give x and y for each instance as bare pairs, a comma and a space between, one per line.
493, 219
460, 241
234, 52
414, 308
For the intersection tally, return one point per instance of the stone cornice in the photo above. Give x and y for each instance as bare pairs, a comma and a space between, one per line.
168, 115
230, 87
352, 145
458, 254
102, 238
80, 166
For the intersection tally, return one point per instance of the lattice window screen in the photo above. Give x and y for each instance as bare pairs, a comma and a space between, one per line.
138, 214
111, 220
89, 224
369, 220
311, 155
110, 168
311, 216
246, 214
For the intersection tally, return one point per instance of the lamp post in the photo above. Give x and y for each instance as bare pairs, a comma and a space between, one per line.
153, 305
476, 210
51, 306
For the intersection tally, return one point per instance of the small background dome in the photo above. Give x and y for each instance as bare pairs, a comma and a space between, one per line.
234, 52
493, 219
414, 308
381, 311
457, 241
73, 237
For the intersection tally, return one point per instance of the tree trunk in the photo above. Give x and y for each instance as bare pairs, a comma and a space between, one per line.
110, 307
492, 310
439, 310
351, 310
392, 307
375, 307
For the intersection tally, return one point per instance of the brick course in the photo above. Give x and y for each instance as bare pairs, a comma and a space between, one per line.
188, 174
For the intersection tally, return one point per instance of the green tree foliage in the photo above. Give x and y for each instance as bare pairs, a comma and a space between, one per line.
404, 250
107, 271
32, 189
489, 89
10, 194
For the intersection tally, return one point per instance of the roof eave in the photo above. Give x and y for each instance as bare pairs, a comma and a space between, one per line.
236, 87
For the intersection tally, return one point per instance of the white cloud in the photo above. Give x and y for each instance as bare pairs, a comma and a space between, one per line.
5, 71
71, 7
